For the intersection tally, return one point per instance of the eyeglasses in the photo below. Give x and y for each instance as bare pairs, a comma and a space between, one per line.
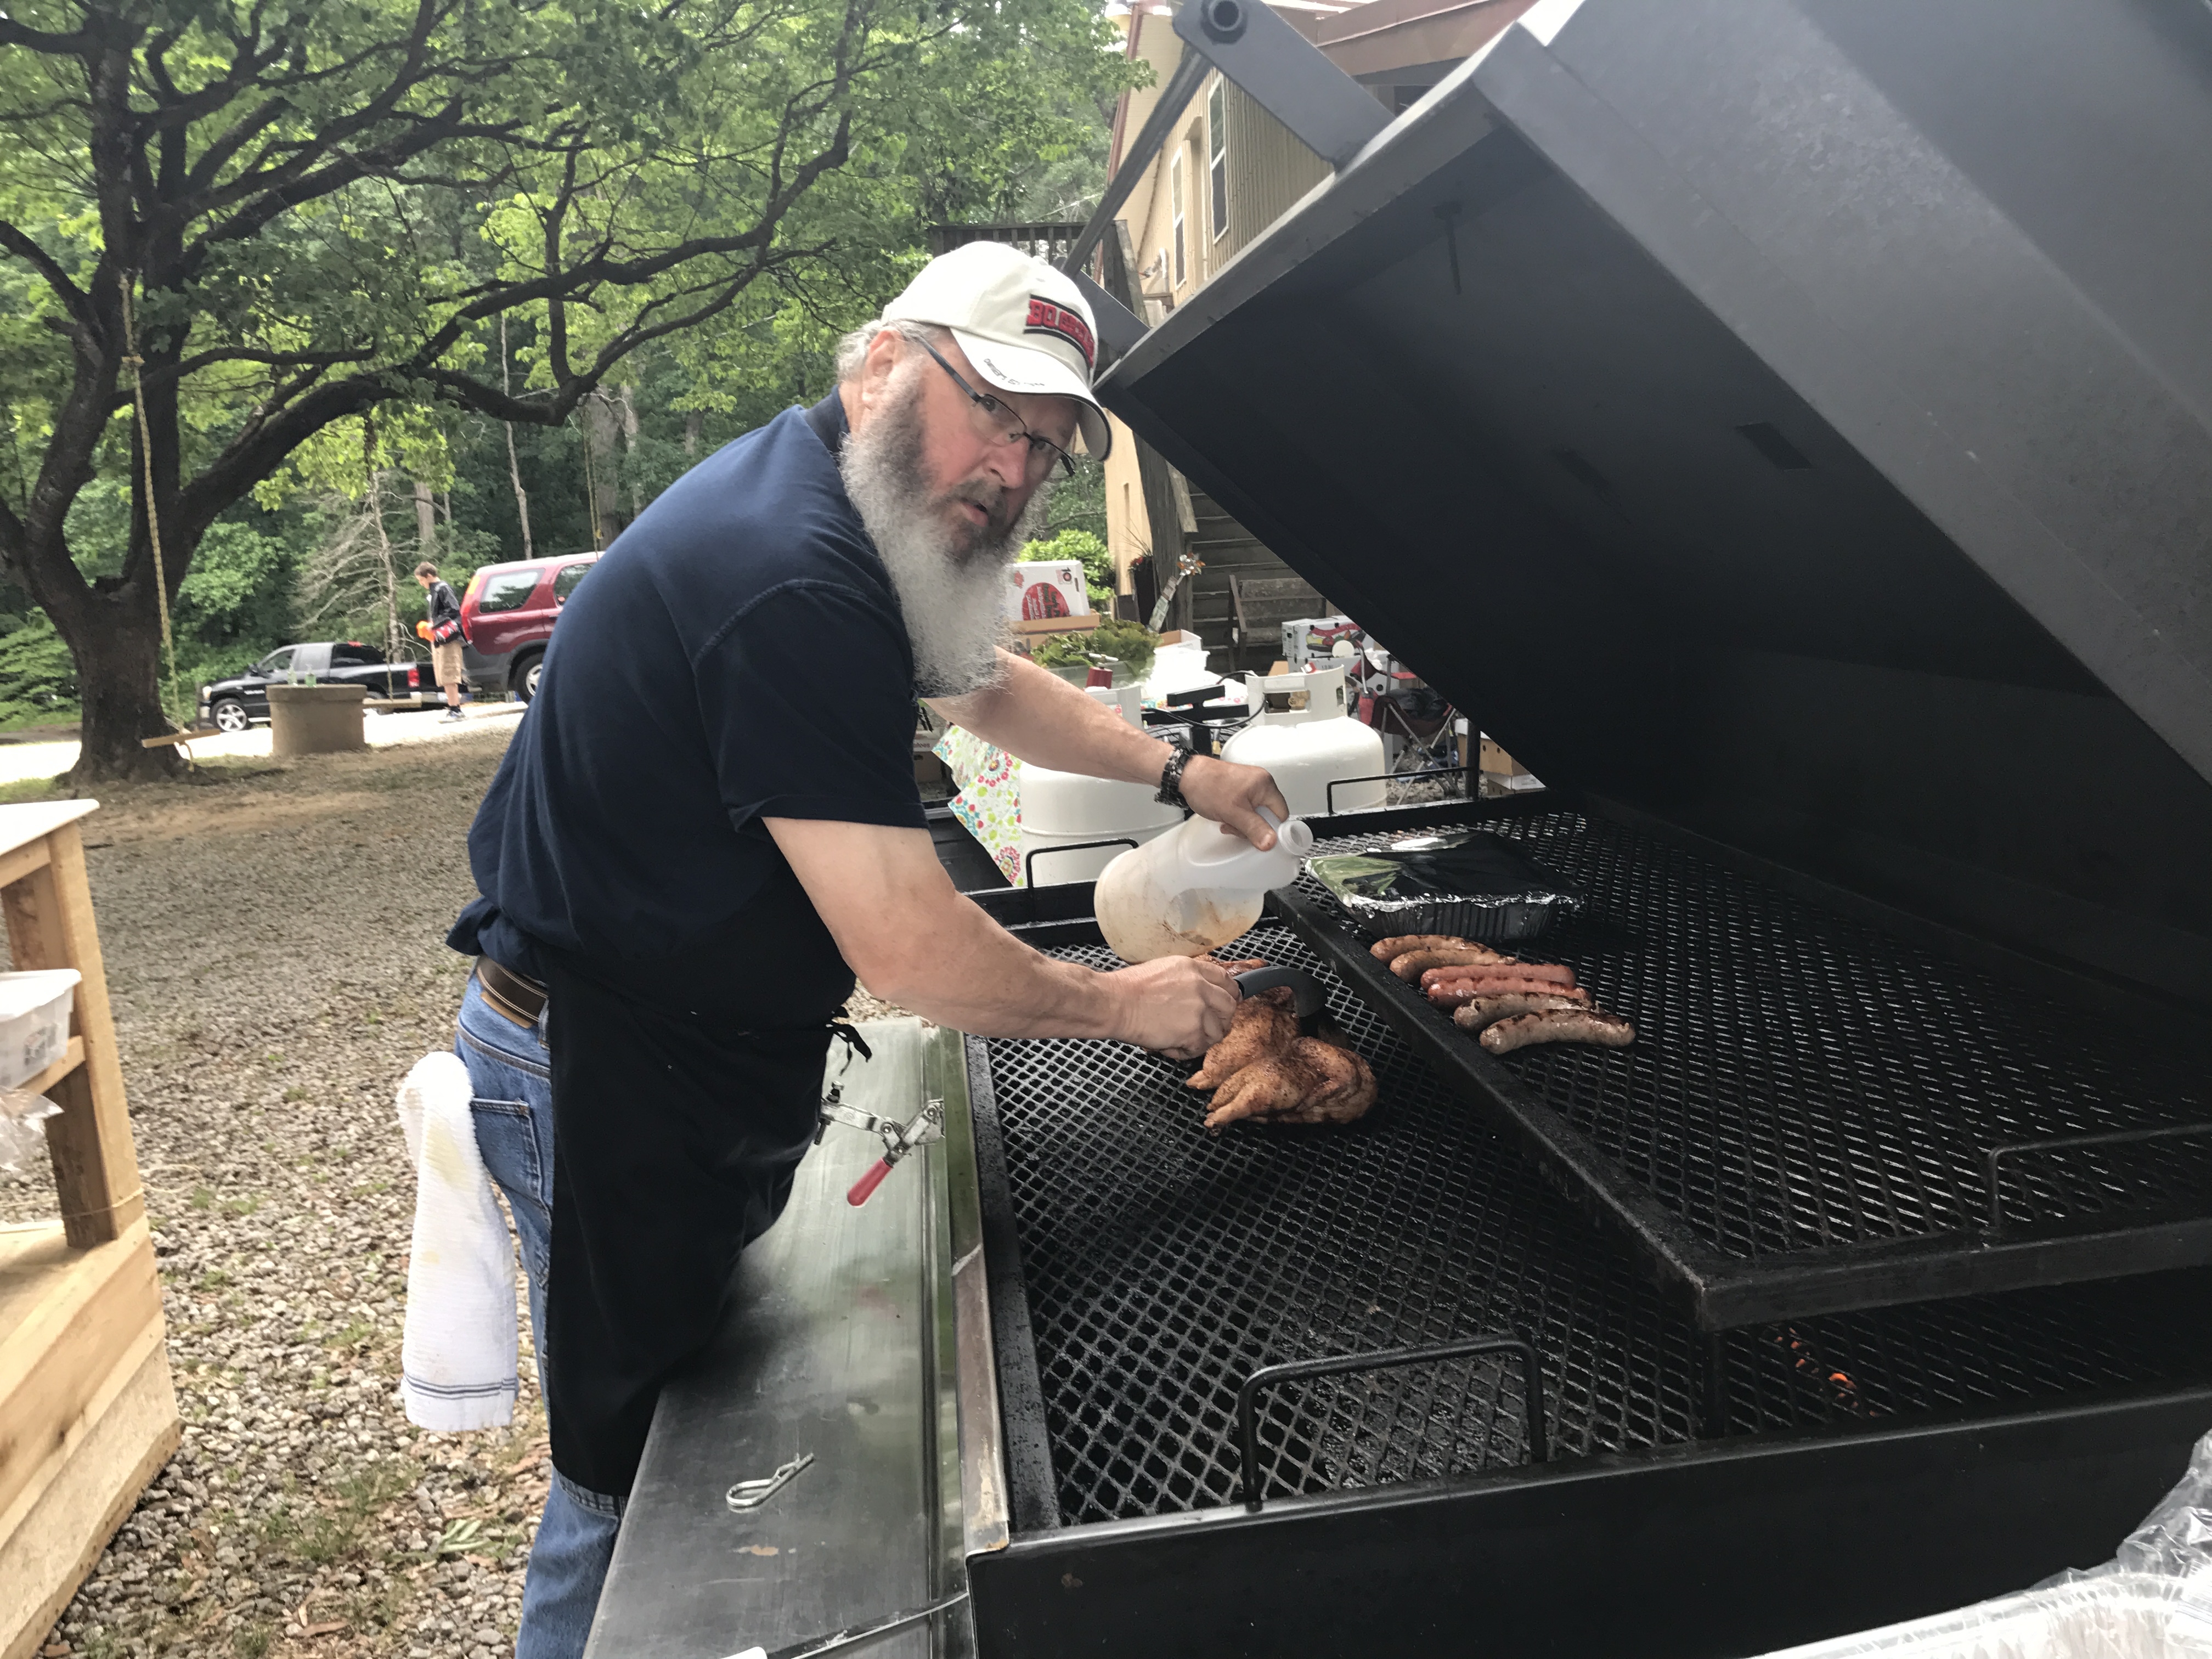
996, 423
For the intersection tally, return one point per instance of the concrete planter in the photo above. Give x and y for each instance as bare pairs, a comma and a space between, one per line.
315, 720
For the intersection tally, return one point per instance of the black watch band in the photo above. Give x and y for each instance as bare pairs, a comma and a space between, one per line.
1171, 790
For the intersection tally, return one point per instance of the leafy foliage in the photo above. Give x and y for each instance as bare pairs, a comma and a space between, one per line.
38, 682
311, 220
1131, 644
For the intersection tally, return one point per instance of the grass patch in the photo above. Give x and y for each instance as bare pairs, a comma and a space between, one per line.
336, 1531
24, 789
214, 1280
202, 1197
358, 1331
254, 1641
241, 1207
295, 1092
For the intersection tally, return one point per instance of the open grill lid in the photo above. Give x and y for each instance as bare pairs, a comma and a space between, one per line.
1787, 417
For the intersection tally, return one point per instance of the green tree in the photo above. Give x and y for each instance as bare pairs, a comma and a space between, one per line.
291, 215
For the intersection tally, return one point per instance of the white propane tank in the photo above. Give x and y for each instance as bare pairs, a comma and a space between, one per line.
1309, 749
1066, 808
1194, 889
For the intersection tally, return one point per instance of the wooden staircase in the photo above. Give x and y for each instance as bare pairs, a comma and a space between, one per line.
1228, 548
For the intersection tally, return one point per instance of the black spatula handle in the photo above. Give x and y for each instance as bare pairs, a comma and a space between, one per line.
1307, 996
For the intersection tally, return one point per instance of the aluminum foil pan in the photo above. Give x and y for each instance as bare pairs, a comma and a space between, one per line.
1467, 882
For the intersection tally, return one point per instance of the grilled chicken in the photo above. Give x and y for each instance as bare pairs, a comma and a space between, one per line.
1314, 1082
1263, 1026
1264, 1069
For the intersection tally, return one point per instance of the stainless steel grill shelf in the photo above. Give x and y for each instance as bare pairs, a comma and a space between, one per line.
1806, 1122
1159, 1265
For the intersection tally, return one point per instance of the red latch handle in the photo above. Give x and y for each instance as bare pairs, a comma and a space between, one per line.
868, 1182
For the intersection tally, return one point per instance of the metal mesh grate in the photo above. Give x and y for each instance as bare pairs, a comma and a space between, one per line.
1801, 1080
1164, 1264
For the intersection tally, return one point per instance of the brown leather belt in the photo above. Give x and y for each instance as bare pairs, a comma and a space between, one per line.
510, 994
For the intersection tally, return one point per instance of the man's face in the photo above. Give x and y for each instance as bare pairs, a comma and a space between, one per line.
423, 581
977, 484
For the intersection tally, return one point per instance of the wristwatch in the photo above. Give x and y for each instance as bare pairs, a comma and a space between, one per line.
1171, 791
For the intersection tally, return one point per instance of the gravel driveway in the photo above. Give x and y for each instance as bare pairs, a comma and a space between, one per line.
274, 944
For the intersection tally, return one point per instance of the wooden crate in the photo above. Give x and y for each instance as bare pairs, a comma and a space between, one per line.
87, 1412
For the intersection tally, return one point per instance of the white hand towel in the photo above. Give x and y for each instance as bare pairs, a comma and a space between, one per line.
458, 1357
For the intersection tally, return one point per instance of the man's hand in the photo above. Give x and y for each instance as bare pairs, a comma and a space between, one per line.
1179, 1006
1232, 795
913, 941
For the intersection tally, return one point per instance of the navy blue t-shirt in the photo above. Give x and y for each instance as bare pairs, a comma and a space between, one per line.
738, 653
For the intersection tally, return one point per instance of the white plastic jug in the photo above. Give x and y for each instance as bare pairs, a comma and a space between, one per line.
1194, 889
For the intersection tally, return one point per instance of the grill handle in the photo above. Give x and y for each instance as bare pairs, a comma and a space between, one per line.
1295, 1371
1993, 1160
1029, 858
1393, 777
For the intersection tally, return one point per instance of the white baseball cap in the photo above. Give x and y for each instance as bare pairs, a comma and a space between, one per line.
1023, 325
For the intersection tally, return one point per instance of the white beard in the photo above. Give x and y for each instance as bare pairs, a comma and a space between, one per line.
950, 580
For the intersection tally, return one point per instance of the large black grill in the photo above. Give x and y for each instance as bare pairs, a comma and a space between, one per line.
1807, 1120
1163, 1265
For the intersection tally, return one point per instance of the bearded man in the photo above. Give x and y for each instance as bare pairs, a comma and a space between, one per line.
707, 824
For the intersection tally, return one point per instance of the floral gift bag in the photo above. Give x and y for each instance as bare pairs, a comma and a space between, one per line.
990, 803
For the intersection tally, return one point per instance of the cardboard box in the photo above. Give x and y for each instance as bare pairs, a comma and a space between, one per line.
1313, 639
1047, 592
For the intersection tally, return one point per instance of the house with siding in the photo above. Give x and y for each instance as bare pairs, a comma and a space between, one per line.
1229, 171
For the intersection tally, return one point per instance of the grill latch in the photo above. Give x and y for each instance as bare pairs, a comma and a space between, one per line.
899, 1139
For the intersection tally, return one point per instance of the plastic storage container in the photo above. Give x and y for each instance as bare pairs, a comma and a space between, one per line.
1309, 749
2126, 1615
1179, 667
35, 1021
1066, 809
1192, 889
2153, 1600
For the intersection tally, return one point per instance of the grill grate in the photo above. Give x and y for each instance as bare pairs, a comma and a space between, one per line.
1164, 1264
1801, 1080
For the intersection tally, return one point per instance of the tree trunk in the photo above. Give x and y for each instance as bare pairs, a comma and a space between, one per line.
426, 521
115, 640
602, 424
513, 465
388, 568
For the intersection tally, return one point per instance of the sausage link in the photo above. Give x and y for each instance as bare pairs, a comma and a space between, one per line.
1413, 964
1577, 1025
1492, 1007
1388, 948
1551, 973
1458, 993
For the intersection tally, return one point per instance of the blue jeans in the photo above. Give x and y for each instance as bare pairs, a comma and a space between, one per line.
510, 1074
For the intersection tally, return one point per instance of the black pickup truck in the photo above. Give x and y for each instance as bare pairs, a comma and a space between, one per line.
234, 704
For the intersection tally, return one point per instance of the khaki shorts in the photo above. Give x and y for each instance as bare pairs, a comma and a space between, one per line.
445, 664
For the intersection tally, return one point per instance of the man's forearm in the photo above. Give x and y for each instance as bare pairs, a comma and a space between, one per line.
1042, 721
970, 974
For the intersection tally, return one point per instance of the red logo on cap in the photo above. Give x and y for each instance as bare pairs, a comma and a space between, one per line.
1046, 318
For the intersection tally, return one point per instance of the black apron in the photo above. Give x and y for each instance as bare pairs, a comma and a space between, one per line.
685, 1092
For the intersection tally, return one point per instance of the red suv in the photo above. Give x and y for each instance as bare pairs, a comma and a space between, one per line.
507, 615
